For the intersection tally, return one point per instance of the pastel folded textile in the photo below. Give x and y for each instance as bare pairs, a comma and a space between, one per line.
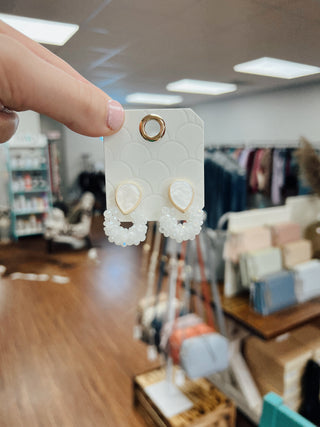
247, 240
307, 280
257, 264
294, 253
274, 292
285, 232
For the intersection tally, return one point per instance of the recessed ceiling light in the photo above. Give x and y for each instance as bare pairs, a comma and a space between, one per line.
200, 86
279, 68
40, 30
153, 98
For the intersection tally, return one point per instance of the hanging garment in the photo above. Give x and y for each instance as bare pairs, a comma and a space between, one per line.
225, 187
255, 169
264, 173
244, 157
278, 176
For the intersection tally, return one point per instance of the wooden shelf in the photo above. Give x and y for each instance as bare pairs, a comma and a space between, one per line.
44, 190
267, 327
30, 212
29, 169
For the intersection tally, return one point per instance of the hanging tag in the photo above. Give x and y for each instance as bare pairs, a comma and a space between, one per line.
155, 172
137, 332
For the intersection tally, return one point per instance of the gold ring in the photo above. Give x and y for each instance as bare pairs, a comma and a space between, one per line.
142, 127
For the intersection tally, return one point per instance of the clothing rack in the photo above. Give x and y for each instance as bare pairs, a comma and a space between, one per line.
258, 144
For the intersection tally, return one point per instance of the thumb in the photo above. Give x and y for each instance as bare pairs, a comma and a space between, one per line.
32, 83
8, 124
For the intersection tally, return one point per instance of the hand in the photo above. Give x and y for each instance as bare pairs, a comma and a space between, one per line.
33, 78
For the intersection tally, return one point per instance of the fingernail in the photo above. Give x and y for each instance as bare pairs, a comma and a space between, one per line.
115, 115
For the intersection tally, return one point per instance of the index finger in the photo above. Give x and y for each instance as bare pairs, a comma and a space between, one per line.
40, 51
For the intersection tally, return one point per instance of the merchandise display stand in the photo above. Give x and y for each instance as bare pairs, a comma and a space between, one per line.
238, 309
29, 184
209, 405
241, 318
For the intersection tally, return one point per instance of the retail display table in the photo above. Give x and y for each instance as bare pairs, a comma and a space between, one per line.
267, 327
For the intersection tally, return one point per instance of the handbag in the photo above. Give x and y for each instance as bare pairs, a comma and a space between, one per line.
307, 280
204, 355
294, 253
285, 232
255, 265
179, 335
274, 292
199, 349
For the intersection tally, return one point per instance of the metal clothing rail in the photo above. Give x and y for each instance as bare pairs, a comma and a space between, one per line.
259, 144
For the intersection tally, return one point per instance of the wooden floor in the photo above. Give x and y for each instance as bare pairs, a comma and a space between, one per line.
67, 356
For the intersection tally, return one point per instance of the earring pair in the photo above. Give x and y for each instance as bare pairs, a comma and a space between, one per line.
128, 196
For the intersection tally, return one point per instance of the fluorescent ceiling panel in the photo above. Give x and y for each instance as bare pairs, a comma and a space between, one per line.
279, 68
200, 86
153, 98
49, 32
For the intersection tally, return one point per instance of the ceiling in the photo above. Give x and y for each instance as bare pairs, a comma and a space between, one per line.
127, 46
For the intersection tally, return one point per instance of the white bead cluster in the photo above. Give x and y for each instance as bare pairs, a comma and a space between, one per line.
124, 236
187, 230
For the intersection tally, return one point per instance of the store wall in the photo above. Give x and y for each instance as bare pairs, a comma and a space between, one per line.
279, 116
75, 147
29, 122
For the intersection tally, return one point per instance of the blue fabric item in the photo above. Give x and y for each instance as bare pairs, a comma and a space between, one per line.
274, 292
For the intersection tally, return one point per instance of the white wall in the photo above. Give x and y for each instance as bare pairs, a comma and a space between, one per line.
280, 116
75, 146
29, 122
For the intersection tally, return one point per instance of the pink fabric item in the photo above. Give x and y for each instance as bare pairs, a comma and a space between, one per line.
255, 169
285, 232
248, 240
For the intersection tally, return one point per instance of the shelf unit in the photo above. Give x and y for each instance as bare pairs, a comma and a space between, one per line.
29, 184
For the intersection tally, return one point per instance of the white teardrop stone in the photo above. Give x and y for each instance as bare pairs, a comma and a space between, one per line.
181, 194
128, 196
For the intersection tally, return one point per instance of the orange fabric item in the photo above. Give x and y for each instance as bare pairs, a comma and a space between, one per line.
179, 335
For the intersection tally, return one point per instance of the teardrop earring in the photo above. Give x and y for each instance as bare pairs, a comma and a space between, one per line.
127, 197
181, 195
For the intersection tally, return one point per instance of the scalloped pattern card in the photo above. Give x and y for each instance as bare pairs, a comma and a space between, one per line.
149, 175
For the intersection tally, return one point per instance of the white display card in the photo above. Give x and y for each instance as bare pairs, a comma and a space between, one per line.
139, 172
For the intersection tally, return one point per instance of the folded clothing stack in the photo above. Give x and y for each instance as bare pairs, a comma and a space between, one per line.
297, 252
257, 264
274, 292
251, 239
307, 284
285, 232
